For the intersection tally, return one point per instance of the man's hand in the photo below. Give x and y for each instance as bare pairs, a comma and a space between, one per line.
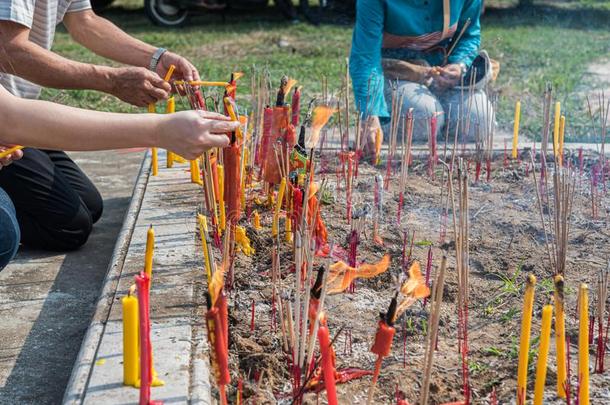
7, 160
190, 133
138, 86
184, 69
448, 76
369, 134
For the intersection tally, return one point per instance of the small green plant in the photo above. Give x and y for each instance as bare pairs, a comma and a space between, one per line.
410, 326
474, 367
546, 285
327, 197
509, 315
510, 285
494, 351
424, 326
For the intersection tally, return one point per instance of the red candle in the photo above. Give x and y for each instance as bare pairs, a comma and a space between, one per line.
296, 106
327, 362
143, 285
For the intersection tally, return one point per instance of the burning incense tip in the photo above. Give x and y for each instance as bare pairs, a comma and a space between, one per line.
320, 117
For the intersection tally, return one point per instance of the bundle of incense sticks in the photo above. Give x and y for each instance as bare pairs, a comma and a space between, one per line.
602, 335
491, 107
432, 336
407, 138
461, 229
396, 117
558, 210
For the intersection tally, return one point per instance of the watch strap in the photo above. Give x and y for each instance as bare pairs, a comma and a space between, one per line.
154, 60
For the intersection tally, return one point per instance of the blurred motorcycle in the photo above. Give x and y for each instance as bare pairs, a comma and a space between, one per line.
175, 13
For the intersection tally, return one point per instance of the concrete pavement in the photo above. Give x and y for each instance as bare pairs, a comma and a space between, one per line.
47, 299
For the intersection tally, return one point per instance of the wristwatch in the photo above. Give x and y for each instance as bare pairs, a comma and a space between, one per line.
154, 60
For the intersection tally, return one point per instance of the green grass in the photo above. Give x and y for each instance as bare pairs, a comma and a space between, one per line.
534, 46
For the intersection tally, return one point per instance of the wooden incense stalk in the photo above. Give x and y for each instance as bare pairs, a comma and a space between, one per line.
304, 329
432, 336
298, 262
312, 341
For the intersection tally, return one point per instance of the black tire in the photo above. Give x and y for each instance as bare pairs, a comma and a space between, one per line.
99, 5
166, 13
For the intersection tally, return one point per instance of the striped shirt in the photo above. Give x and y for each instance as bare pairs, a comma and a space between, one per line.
41, 17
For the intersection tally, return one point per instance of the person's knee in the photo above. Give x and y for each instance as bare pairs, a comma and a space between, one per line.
70, 234
477, 119
425, 106
95, 205
75, 233
9, 229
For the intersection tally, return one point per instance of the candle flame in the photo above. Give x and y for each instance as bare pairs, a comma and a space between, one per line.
321, 115
216, 284
289, 85
413, 289
342, 275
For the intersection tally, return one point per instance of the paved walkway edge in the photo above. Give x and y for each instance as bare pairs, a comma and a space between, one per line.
79, 379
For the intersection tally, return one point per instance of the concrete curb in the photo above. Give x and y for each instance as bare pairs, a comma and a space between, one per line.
79, 379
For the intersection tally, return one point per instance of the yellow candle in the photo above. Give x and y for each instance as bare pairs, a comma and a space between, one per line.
170, 109
543, 353
9, 151
203, 231
221, 197
195, 173
524, 343
516, 128
155, 162
562, 129
150, 249
278, 206
256, 220
288, 229
583, 345
131, 358
560, 338
556, 129
243, 242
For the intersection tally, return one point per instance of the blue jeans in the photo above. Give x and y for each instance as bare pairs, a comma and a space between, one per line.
9, 230
445, 104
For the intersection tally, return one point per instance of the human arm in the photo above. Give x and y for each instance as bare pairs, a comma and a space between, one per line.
467, 48
21, 57
106, 39
36, 124
365, 58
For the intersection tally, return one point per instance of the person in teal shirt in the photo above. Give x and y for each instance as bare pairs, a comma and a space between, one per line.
420, 32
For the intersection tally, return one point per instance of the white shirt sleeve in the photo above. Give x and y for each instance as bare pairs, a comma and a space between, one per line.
79, 5
19, 11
